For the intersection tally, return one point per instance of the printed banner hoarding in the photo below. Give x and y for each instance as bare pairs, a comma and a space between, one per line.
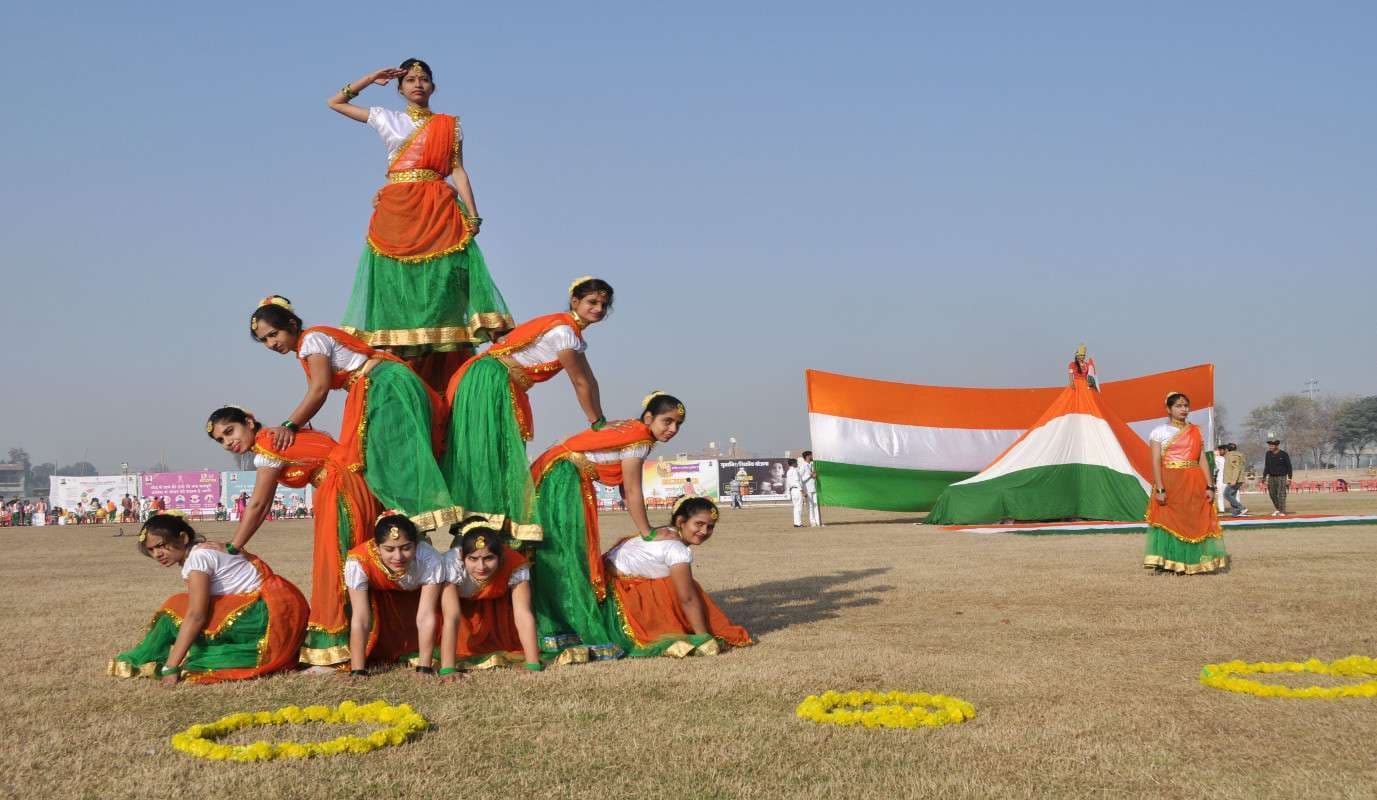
663, 482
757, 480
66, 491
243, 481
188, 491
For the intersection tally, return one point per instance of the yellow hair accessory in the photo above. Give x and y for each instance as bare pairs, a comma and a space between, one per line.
143, 535
683, 412
394, 533
678, 504
477, 523
388, 512
576, 283
646, 402
481, 543
270, 300
1080, 351
416, 69
210, 426
1169, 394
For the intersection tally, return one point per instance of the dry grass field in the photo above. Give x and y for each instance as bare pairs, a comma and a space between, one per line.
1081, 664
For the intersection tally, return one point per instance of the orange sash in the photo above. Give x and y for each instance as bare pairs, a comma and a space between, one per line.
316, 458
287, 612
487, 622
1188, 514
521, 378
352, 427
418, 218
651, 611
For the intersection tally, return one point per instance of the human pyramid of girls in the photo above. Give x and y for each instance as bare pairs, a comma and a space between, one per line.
433, 441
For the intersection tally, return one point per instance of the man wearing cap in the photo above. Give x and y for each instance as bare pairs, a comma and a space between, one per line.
1276, 469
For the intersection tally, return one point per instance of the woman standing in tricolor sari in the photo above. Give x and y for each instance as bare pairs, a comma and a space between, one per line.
490, 414
1183, 535
391, 418
567, 579
422, 289
344, 508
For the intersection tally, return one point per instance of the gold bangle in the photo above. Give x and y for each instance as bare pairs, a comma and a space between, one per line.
348, 91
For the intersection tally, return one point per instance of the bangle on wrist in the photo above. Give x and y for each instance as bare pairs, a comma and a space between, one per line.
232, 550
599, 423
165, 670
359, 673
448, 670
291, 426
348, 91
535, 666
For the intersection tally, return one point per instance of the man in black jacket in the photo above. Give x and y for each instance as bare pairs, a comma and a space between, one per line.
1277, 471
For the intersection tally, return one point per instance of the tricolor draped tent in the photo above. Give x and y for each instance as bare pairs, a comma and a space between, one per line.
897, 446
1079, 460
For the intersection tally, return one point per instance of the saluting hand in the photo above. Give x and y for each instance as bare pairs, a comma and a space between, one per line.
382, 76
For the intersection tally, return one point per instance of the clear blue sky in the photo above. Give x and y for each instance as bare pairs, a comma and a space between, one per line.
896, 190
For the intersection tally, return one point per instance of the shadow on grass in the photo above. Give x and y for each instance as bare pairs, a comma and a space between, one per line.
777, 605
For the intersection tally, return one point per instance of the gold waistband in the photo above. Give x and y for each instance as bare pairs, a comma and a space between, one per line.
520, 376
1180, 464
361, 371
413, 176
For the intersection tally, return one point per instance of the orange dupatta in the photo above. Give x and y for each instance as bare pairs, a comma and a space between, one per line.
1188, 514
487, 623
415, 216
520, 377
335, 471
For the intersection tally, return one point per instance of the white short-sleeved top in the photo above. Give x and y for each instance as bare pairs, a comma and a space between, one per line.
395, 126
342, 359
1164, 433
229, 574
425, 569
261, 461
468, 587
639, 450
643, 559
548, 345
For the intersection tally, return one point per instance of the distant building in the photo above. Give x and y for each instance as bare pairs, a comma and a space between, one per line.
13, 481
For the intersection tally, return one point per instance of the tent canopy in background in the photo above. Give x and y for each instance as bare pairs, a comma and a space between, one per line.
897, 446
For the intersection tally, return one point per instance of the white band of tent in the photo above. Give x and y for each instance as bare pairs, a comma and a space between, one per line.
883, 444
1068, 439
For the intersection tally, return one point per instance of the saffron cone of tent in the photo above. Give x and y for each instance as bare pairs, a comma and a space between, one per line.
1079, 460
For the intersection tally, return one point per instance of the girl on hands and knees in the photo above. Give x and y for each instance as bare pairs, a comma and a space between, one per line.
236, 620
394, 580
486, 603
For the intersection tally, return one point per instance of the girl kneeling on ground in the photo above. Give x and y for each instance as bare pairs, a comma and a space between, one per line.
236, 620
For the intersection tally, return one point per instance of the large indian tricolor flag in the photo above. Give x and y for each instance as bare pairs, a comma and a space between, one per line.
897, 446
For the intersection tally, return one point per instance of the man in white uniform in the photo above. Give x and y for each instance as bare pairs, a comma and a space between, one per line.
794, 487
808, 478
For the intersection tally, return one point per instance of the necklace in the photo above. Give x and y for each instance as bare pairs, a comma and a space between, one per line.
418, 114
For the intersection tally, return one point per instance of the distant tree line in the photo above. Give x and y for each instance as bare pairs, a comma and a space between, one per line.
1318, 432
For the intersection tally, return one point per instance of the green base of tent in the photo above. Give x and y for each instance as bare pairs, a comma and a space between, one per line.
1063, 491
881, 488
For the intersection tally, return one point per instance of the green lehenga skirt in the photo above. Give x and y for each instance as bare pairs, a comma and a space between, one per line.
567, 611
439, 304
1170, 554
399, 457
485, 462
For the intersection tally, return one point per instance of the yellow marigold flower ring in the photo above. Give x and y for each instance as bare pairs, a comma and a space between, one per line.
885, 709
402, 720
1222, 676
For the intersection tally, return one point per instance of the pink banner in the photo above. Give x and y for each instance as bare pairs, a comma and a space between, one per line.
189, 491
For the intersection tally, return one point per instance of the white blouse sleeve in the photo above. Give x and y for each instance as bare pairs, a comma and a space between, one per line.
638, 450
261, 461
354, 576
564, 338
520, 575
678, 553
430, 566
198, 560
316, 343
